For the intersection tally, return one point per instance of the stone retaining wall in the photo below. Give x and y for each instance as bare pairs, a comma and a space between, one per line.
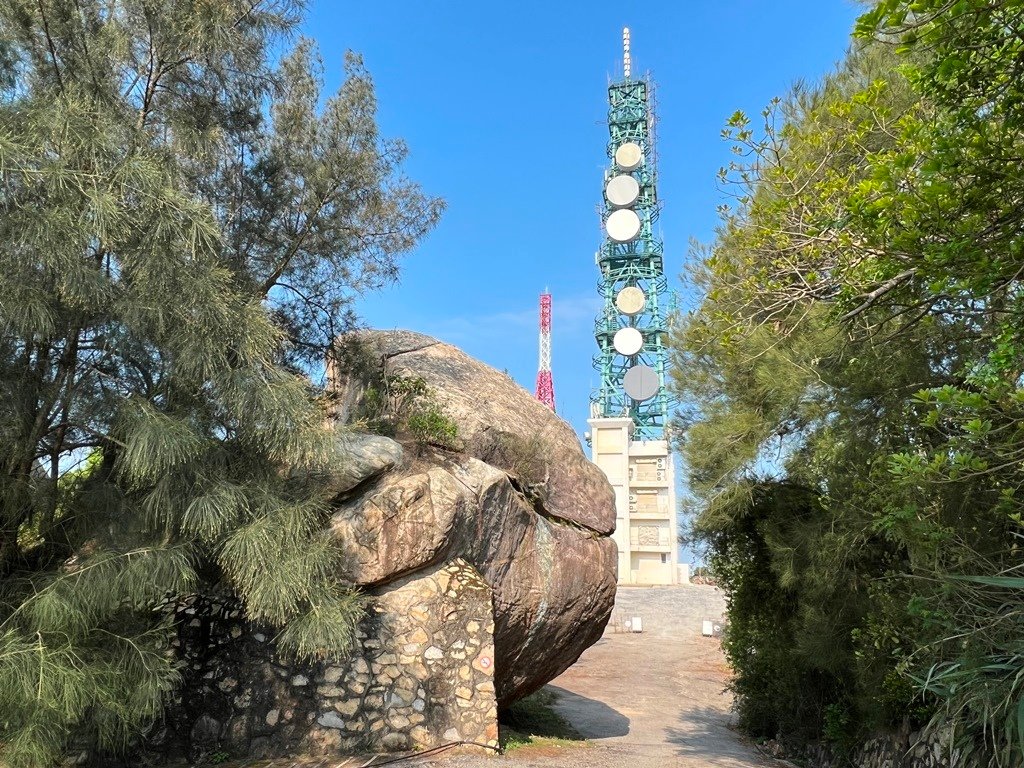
422, 675
913, 749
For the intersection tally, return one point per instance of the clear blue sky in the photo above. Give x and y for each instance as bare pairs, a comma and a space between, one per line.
502, 106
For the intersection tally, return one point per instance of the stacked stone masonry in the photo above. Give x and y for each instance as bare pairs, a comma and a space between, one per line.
423, 675
909, 749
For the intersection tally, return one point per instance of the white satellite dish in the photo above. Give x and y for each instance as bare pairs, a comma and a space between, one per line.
622, 191
629, 156
631, 301
641, 382
628, 341
623, 225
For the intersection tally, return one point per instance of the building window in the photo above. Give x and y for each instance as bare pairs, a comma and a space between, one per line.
664, 558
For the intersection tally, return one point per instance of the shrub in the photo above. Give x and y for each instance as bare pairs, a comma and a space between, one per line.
396, 405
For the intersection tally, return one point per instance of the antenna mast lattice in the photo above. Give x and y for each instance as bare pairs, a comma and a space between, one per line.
631, 329
545, 385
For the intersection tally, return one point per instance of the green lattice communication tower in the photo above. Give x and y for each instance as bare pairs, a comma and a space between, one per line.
631, 329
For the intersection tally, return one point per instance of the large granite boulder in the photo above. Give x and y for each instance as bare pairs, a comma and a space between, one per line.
484, 558
515, 497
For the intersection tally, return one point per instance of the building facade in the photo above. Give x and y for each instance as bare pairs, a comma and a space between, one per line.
641, 472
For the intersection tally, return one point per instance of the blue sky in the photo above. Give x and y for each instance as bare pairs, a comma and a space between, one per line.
502, 106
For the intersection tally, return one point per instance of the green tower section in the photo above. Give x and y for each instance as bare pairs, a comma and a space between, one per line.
631, 260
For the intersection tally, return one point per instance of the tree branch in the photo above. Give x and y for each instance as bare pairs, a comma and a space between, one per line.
50, 45
879, 292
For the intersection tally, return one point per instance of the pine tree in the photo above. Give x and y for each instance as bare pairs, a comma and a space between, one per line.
183, 225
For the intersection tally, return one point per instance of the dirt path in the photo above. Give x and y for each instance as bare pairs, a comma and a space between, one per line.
644, 700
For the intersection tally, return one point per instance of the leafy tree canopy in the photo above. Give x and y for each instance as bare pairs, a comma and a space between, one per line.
185, 218
853, 380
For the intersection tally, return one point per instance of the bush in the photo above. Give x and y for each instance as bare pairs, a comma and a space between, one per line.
429, 425
525, 458
779, 689
395, 405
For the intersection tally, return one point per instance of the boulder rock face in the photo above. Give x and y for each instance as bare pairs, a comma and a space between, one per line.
516, 498
361, 457
495, 417
484, 556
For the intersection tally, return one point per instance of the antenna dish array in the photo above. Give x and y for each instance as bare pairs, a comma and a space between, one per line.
630, 331
622, 191
630, 301
641, 382
623, 225
628, 341
628, 156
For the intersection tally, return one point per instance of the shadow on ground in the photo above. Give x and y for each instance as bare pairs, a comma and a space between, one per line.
592, 718
704, 734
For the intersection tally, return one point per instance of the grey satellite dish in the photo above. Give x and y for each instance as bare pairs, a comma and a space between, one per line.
629, 156
630, 301
622, 191
623, 225
641, 382
628, 341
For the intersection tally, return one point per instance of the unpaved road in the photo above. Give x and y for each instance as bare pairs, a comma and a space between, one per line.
644, 700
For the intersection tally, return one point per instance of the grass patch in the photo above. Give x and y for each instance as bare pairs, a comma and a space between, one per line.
533, 721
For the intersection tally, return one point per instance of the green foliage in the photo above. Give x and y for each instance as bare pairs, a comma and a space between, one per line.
837, 729
395, 405
533, 721
859, 338
184, 220
389, 400
429, 424
784, 643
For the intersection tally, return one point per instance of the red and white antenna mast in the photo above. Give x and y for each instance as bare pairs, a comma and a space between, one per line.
545, 385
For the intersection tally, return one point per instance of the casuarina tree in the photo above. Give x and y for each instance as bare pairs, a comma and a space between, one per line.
185, 219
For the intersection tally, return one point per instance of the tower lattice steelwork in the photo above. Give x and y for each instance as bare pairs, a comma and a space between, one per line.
631, 329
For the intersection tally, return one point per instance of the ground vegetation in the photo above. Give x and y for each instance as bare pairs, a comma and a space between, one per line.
533, 722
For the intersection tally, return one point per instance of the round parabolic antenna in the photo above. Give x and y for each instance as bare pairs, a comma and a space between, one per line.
622, 191
631, 301
623, 225
628, 156
628, 341
640, 382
